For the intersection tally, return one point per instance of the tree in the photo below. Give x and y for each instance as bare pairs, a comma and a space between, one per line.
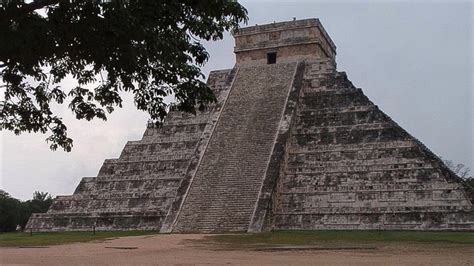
463, 172
459, 169
40, 203
150, 48
10, 209
41, 196
14, 212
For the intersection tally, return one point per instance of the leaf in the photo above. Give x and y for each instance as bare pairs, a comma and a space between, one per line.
150, 48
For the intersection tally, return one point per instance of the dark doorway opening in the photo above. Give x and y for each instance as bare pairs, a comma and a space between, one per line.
271, 58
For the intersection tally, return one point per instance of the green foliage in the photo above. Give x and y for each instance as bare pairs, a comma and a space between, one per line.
147, 47
9, 212
59, 238
14, 212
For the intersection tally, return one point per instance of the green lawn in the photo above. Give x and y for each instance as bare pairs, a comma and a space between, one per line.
268, 239
340, 238
58, 238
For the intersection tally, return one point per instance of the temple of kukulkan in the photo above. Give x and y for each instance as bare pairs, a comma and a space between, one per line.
290, 144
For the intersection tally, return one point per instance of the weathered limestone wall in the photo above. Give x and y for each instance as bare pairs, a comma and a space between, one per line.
292, 41
349, 166
201, 148
285, 54
262, 213
291, 145
225, 189
136, 190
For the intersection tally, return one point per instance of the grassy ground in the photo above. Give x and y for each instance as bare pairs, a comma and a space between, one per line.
250, 241
341, 238
58, 238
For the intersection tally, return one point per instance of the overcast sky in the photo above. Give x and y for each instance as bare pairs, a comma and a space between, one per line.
414, 60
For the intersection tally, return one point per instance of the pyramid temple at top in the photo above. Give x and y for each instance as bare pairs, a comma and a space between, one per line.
290, 144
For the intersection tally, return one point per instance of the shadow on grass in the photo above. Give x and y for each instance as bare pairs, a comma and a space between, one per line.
337, 239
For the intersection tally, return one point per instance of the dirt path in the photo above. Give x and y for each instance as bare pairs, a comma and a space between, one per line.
182, 250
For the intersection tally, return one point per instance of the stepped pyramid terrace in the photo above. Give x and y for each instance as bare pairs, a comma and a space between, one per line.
290, 144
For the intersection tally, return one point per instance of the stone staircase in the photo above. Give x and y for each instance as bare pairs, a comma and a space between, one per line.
290, 145
136, 190
224, 192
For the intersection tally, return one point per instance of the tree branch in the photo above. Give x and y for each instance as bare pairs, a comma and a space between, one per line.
35, 5
38, 4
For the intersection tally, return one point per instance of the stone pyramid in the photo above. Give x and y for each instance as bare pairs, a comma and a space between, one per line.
290, 144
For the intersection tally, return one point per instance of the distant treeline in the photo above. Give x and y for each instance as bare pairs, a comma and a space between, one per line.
14, 213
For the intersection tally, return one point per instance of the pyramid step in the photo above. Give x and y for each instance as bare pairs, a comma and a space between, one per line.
230, 175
